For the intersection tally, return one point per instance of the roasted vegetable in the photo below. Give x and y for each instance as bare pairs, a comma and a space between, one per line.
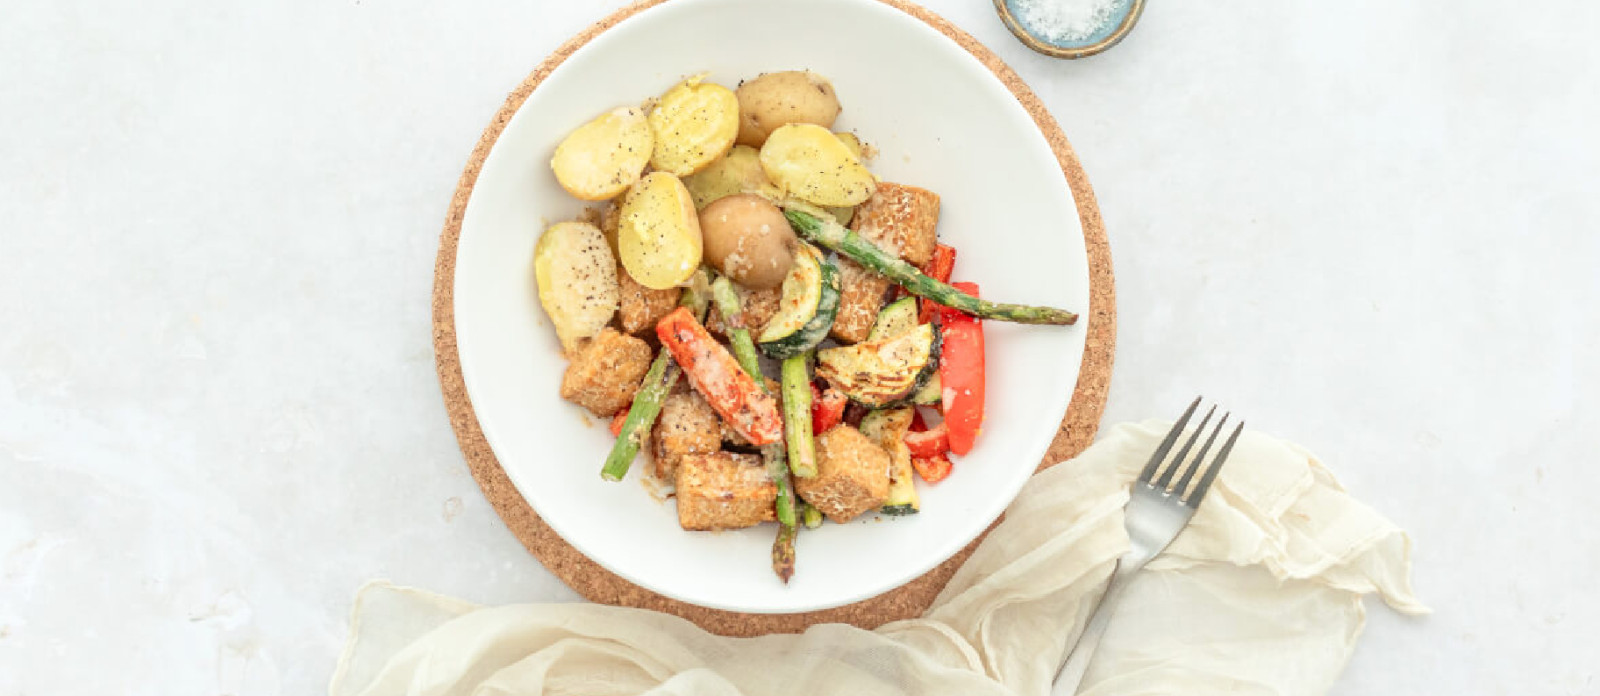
641, 415
827, 409
780, 98
658, 233
726, 300
853, 144
797, 416
883, 373
741, 402
694, 123
930, 442
810, 301
808, 162
783, 552
939, 268
844, 214
658, 382
603, 157
888, 429
932, 469
739, 171
961, 375
772, 455
747, 239
830, 234
897, 318
577, 280
812, 516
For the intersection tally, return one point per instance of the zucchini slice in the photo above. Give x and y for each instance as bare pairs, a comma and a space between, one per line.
932, 393
810, 302
897, 318
884, 373
887, 429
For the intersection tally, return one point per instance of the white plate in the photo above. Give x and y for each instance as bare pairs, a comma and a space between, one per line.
940, 120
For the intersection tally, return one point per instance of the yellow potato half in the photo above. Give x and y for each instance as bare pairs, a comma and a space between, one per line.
658, 232
810, 163
577, 279
851, 142
603, 157
694, 123
737, 172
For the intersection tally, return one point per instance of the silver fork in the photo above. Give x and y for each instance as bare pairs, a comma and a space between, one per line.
1157, 511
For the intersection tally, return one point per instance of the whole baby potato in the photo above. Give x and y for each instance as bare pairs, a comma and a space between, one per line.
780, 98
747, 239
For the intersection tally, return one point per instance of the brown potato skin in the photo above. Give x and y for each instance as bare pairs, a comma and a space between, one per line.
746, 238
775, 99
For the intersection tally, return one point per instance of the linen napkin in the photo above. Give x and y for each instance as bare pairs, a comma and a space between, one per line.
1262, 594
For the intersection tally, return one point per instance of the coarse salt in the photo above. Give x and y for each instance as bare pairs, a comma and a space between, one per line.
1065, 20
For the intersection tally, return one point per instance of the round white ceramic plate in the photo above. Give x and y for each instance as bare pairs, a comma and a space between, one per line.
940, 120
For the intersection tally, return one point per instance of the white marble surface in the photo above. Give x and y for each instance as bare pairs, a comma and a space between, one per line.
1366, 225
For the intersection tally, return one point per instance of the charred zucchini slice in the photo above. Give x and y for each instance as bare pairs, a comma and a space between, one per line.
897, 318
887, 429
810, 302
884, 373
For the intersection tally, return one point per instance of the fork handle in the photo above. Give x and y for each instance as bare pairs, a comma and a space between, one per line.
1071, 674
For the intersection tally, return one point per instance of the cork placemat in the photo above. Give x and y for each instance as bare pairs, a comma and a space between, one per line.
600, 585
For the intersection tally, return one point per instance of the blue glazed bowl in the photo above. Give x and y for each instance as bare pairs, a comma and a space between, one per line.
1116, 26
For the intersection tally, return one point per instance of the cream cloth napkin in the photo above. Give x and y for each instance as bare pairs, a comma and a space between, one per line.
1262, 594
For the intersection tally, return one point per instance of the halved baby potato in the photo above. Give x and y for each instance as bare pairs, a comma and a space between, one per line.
737, 172
577, 279
658, 232
846, 213
851, 142
694, 123
603, 157
810, 163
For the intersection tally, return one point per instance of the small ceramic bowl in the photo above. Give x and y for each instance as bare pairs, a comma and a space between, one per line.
1116, 26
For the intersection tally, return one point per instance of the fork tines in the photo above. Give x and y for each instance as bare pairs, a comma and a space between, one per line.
1186, 465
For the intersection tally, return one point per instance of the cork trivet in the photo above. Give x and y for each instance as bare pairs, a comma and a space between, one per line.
600, 585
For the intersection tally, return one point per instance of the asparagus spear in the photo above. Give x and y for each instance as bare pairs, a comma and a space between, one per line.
658, 382
744, 349
827, 232
783, 552
812, 516
797, 416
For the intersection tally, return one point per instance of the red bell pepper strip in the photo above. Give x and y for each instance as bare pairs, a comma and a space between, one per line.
929, 443
932, 469
618, 420
732, 392
939, 268
961, 374
827, 409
